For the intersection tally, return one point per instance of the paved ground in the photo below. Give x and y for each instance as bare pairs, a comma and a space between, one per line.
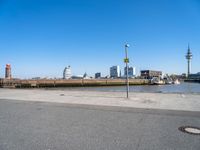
57, 126
185, 102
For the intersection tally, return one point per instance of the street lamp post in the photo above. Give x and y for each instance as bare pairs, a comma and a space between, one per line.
126, 60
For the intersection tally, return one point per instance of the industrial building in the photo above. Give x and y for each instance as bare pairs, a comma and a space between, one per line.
115, 72
67, 73
149, 74
131, 72
8, 71
195, 76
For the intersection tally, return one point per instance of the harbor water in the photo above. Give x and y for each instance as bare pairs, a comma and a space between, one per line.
184, 87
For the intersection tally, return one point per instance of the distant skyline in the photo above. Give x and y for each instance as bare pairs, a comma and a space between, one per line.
42, 37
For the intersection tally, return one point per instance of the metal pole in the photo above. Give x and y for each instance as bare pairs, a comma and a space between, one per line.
127, 82
188, 68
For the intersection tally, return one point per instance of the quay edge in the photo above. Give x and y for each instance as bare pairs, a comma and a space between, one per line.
16, 83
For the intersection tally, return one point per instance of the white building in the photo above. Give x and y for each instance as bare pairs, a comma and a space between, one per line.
131, 72
115, 72
67, 73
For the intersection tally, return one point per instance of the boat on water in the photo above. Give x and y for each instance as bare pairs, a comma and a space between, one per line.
167, 79
176, 81
157, 81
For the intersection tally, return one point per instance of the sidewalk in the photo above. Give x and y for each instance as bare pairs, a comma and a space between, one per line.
185, 102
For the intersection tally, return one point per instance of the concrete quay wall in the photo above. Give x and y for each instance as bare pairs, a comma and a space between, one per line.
69, 83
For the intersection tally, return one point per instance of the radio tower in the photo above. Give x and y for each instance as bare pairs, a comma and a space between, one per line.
189, 58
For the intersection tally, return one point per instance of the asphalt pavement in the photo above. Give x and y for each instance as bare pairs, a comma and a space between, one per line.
56, 126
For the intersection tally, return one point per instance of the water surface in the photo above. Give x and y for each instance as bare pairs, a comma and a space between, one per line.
180, 88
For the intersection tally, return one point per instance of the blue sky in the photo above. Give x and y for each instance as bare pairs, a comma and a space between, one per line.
41, 37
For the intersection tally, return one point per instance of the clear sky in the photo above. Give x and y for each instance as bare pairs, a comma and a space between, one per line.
41, 37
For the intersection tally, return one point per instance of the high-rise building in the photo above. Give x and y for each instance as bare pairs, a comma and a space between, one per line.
189, 58
97, 75
67, 73
131, 71
115, 72
8, 71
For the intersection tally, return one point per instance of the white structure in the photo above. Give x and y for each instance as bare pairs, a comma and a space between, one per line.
67, 73
134, 71
115, 72
85, 76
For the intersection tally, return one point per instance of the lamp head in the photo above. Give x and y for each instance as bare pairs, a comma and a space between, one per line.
127, 45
